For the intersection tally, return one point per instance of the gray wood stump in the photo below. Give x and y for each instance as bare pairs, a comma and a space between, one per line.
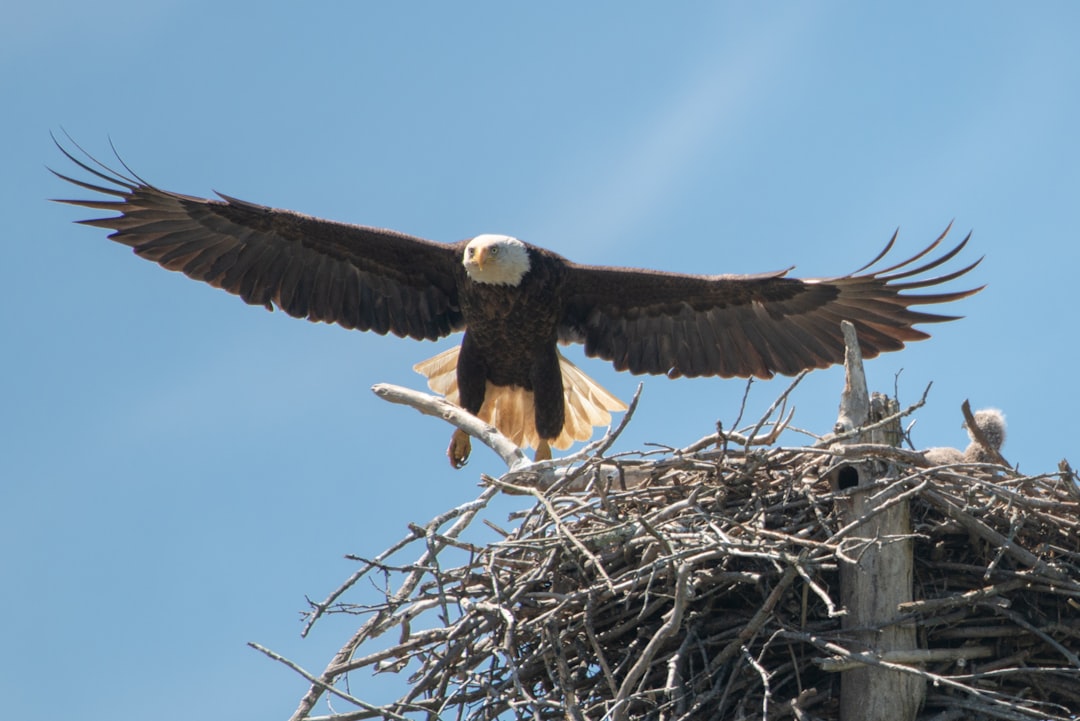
877, 578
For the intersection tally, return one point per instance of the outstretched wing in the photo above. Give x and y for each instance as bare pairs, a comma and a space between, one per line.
688, 325
355, 276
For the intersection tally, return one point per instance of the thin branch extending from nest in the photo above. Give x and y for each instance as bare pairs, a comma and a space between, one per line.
886, 421
416, 532
442, 408
752, 438
323, 685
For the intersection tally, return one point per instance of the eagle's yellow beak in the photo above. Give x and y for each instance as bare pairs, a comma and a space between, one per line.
480, 257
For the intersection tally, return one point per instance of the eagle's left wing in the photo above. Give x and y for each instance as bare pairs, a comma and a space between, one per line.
355, 276
691, 325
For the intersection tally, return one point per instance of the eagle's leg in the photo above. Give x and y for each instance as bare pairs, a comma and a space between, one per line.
460, 448
472, 387
548, 404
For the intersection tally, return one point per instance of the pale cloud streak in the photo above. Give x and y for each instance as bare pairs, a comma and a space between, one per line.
714, 104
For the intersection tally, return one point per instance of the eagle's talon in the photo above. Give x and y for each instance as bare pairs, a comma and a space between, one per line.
543, 451
459, 450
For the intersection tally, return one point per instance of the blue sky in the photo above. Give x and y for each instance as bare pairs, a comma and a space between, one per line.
179, 470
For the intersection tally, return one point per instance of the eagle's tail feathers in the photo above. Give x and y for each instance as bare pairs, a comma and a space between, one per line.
441, 372
510, 409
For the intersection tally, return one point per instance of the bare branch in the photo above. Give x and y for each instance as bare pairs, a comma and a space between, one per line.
438, 407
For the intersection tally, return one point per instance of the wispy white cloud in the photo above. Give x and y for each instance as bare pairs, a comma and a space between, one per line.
711, 108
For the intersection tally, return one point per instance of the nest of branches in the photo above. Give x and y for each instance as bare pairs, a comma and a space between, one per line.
707, 588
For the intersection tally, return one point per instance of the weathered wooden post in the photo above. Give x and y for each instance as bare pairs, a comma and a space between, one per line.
877, 577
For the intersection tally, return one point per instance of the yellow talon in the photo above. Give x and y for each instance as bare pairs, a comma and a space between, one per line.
460, 448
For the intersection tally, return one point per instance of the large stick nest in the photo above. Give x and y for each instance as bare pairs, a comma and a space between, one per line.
709, 590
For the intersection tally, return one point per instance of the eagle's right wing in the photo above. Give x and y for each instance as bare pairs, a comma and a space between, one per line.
355, 276
648, 321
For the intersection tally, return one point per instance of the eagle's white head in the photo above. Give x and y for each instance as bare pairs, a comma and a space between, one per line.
496, 259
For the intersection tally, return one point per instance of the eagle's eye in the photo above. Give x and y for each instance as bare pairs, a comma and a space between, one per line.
494, 250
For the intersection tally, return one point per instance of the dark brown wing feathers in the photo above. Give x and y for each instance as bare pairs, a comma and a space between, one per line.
355, 276
686, 325
643, 321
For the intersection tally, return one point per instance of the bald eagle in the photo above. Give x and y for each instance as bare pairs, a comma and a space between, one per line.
516, 302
